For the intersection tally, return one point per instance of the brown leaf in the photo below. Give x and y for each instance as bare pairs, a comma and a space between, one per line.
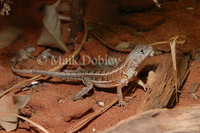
51, 34
8, 35
10, 104
64, 6
64, 18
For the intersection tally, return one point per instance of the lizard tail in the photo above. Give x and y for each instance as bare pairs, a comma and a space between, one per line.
42, 72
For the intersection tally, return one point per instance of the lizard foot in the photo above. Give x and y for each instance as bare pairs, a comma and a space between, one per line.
75, 98
122, 103
144, 86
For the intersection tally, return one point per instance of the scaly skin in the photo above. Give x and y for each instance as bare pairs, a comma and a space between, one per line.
114, 77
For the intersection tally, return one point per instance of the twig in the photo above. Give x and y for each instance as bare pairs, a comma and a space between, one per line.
33, 123
30, 121
173, 52
152, 44
171, 39
108, 46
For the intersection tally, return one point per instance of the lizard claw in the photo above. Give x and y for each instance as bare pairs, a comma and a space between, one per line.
122, 103
146, 87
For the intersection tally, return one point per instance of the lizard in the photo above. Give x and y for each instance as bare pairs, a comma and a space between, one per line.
109, 78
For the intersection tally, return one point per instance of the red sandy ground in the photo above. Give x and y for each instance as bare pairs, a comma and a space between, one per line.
51, 104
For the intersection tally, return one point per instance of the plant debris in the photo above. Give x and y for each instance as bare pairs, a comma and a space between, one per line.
51, 34
10, 104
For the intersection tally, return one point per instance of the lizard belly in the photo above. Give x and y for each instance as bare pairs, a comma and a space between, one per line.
105, 84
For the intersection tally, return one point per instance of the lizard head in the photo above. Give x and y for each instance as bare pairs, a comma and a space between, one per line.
138, 54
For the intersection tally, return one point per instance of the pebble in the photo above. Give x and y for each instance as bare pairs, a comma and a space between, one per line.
101, 104
123, 45
23, 54
46, 54
30, 49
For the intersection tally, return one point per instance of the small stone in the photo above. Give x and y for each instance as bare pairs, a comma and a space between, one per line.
189, 8
123, 45
93, 130
101, 104
158, 53
23, 54
46, 54
30, 49
34, 83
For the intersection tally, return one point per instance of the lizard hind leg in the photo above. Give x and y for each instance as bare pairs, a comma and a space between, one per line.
121, 84
88, 86
144, 86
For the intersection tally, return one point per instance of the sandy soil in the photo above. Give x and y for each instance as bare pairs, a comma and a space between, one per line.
51, 104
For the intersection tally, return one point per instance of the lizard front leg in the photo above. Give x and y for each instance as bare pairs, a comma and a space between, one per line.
88, 86
141, 83
123, 82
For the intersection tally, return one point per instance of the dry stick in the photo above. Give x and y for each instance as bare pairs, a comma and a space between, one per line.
74, 54
152, 44
171, 39
173, 52
108, 46
33, 123
79, 125
30, 121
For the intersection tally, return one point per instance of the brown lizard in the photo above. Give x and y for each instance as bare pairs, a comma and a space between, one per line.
114, 77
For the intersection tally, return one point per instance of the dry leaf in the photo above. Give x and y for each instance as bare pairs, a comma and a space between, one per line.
51, 34
64, 18
10, 104
8, 35
63, 7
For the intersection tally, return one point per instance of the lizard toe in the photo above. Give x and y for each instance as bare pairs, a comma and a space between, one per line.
122, 104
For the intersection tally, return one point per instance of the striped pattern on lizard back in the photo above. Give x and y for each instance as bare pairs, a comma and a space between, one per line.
113, 77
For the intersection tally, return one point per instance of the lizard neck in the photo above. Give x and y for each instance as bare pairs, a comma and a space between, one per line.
129, 67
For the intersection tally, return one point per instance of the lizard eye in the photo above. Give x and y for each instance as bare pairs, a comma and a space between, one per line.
141, 51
